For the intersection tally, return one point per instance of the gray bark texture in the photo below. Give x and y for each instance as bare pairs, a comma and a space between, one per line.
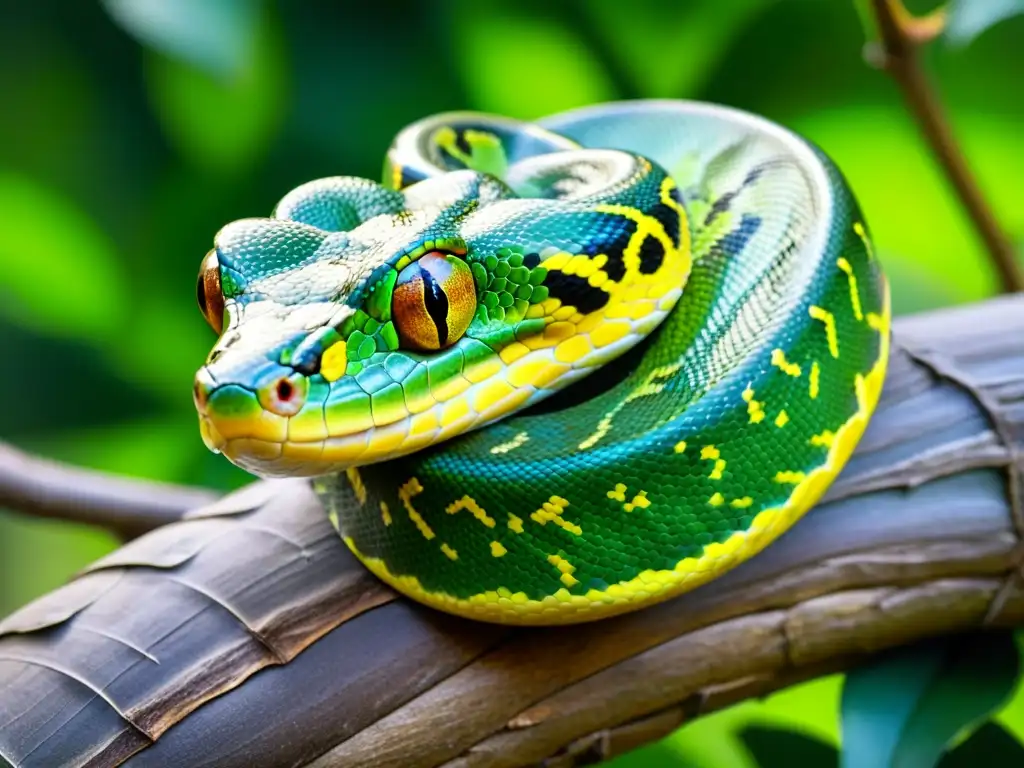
247, 635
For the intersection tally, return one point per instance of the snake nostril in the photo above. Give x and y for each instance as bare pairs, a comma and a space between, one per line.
285, 396
285, 390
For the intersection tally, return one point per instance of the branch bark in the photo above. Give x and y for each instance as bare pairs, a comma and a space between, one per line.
124, 505
901, 37
247, 635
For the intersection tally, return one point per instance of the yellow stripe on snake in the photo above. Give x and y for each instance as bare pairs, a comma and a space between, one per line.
550, 372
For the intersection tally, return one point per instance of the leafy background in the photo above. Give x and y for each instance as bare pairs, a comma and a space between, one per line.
133, 129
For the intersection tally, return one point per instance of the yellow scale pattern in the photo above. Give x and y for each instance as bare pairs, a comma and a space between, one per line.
654, 585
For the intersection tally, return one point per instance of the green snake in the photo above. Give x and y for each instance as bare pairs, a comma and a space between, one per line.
550, 372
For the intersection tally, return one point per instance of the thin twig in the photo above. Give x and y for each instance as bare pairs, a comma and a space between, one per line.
901, 35
125, 506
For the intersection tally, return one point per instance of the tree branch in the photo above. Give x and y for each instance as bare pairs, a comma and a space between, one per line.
247, 635
901, 36
128, 507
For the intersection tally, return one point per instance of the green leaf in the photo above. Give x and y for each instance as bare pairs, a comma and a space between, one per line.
80, 400
523, 65
659, 754
903, 709
223, 124
990, 745
779, 748
966, 19
690, 39
61, 273
214, 36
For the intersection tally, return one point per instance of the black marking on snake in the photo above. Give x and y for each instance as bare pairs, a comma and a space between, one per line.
721, 205
309, 363
615, 267
531, 260
408, 176
613, 247
733, 242
669, 219
652, 254
576, 291
754, 174
436, 302
462, 144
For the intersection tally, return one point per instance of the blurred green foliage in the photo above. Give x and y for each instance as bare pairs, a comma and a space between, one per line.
134, 129
908, 704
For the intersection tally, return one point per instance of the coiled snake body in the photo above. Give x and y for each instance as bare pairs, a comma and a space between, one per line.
693, 287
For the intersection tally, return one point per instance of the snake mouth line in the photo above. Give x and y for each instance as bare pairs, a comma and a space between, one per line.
314, 441
269, 457
265, 445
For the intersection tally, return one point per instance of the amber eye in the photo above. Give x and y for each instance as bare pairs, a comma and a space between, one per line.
211, 300
433, 301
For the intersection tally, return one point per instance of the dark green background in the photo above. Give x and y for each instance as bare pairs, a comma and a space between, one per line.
119, 160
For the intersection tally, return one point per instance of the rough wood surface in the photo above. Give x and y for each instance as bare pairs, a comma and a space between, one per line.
246, 635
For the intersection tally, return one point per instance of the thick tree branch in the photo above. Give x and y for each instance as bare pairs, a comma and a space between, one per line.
247, 635
126, 506
901, 35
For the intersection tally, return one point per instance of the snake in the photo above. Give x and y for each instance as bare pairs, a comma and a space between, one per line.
551, 371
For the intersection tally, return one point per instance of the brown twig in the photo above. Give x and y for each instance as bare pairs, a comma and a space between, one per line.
125, 506
901, 35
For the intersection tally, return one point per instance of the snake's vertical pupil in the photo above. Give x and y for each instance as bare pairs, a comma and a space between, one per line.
208, 292
434, 301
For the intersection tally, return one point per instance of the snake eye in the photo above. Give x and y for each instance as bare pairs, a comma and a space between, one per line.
208, 292
433, 301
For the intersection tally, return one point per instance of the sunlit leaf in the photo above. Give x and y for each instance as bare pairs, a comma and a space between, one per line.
660, 754
1011, 716
671, 48
967, 19
904, 708
222, 123
214, 36
524, 65
780, 748
60, 271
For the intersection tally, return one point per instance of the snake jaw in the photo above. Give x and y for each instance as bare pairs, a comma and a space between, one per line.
212, 439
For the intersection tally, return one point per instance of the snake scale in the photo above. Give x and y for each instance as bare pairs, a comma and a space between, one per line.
550, 372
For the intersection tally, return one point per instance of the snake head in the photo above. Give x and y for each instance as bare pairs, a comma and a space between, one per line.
360, 323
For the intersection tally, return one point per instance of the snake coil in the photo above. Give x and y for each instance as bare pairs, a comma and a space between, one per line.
551, 372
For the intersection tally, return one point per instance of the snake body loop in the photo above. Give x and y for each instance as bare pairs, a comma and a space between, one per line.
553, 372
